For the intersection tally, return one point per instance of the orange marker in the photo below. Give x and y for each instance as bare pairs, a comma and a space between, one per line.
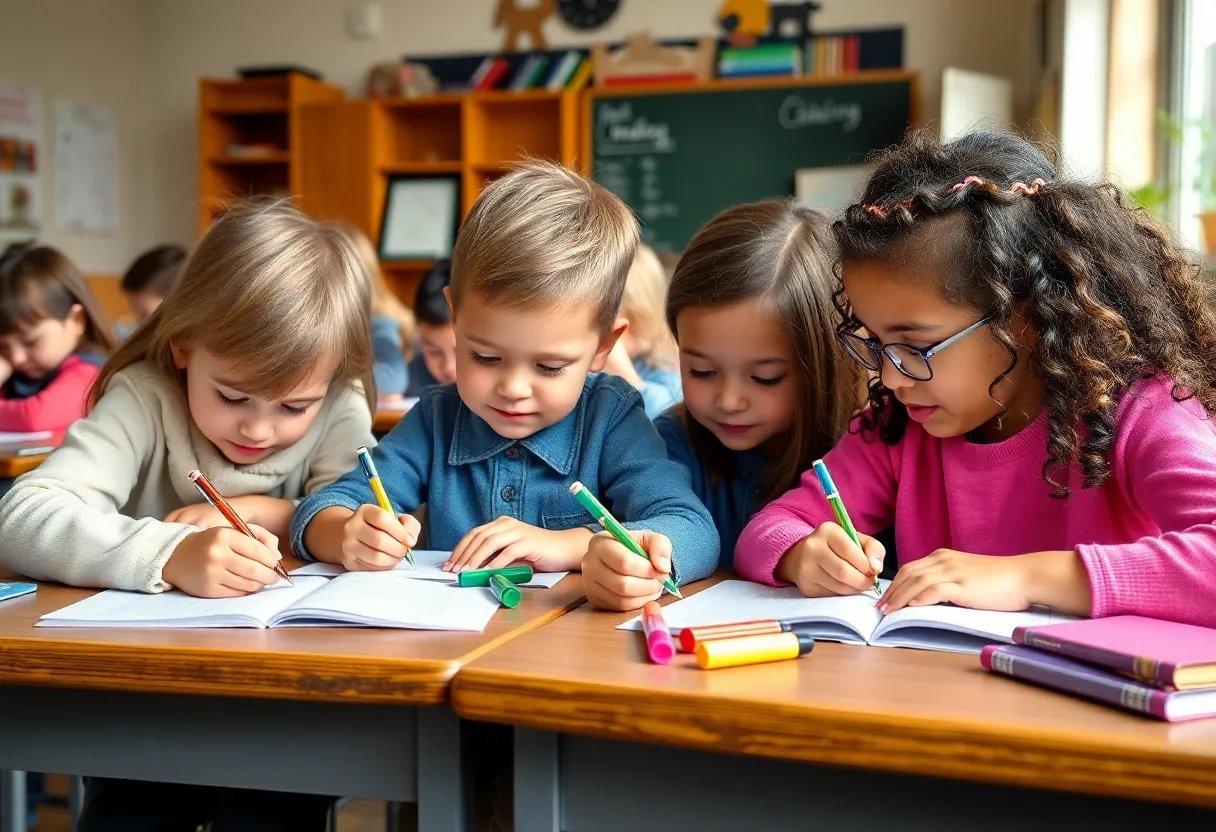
771, 647
221, 505
690, 637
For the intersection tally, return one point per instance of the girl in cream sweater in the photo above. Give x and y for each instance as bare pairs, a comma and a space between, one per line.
255, 371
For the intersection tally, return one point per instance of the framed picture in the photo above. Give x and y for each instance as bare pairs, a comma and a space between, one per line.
421, 214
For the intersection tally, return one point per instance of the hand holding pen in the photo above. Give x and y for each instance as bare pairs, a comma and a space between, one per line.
224, 562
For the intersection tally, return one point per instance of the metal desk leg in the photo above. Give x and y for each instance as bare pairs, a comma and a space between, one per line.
12, 801
537, 780
444, 782
75, 799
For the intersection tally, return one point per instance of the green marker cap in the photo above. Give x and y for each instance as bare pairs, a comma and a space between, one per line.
481, 577
507, 593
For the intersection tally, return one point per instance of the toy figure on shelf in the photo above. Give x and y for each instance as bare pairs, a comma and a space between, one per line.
643, 61
523, 20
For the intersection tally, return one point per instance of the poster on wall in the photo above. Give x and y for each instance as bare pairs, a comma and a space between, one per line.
21, 161
86, 167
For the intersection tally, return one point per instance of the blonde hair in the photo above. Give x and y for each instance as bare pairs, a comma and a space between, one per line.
643, 305
271, 289
543, 235
384, 302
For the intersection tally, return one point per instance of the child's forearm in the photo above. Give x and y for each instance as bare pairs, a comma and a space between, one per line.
323, 535
1058, 580
271, 513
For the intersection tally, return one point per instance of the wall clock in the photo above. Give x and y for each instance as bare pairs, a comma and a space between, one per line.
587, 14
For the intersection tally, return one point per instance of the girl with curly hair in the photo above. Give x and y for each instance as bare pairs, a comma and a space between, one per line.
1043, 366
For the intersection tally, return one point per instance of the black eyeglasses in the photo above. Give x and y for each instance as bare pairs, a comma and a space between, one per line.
911, 361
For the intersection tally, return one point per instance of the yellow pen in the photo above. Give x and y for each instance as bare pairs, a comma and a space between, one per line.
373, 479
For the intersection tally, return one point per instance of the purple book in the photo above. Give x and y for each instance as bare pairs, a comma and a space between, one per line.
1058, 673
1164, 654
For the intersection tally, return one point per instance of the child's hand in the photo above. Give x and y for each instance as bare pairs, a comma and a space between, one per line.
614, 578
506, 540
827, 562
223, 563
985, 582
203, 515
6, 370
374, 540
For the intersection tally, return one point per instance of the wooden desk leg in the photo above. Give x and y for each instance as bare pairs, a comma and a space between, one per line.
12, 801
444, 779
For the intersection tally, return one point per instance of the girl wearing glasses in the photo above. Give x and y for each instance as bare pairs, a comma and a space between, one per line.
1043, 367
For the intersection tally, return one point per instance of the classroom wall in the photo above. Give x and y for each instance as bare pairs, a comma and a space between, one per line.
194, 38
99, 52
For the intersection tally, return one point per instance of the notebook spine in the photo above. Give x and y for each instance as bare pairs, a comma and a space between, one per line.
1090, 683
1147, 670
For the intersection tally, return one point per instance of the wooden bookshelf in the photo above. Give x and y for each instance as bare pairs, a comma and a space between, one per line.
352, 149
250, 138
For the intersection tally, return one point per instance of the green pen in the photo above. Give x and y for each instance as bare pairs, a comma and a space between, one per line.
481, 577
507, 593
842, 516
597, 510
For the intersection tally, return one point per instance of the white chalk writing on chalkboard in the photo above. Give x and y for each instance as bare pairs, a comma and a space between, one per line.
796, 113
619, 132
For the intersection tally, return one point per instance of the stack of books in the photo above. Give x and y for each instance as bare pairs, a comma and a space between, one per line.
765, 60
535, 72
833, 55
1158, 668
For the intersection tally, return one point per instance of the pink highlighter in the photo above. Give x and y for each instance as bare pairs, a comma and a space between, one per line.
658, 637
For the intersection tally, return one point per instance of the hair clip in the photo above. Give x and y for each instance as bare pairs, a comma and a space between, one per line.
1016, 187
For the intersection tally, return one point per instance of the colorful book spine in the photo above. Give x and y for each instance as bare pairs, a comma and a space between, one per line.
1065, 675
494, 75
563, 71
833, 54
581, 75
1145, 669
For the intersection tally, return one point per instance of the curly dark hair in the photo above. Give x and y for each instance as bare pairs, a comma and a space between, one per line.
1110, 297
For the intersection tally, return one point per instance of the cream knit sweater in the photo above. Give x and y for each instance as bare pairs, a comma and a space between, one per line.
90, 514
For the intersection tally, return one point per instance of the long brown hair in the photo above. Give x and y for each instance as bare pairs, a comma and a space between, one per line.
269, 288
39, 282
1110, 297
783, 253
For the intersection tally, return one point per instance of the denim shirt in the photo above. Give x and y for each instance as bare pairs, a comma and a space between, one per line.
388, 362
731, 500
446, 456
660, 388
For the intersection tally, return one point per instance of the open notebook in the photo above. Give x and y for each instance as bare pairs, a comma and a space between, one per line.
429, 569
853, 619
356, 599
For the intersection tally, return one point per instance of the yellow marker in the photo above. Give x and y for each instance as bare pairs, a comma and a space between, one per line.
770, 647
373, 479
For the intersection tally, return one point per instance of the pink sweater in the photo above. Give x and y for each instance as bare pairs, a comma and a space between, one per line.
1147, 536
56, 407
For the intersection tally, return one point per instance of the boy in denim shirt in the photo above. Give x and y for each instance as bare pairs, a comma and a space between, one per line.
537, 277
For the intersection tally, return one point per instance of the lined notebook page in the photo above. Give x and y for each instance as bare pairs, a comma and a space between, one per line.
854, 616
429, 569
116, 608
391, 599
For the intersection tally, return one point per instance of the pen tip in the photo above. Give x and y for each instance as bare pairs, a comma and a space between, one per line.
677, 593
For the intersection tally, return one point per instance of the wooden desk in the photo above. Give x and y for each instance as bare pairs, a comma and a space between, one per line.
15, 466
386, 420
299, 710
875, 710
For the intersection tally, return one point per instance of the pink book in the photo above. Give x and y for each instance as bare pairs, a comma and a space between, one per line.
1059, 673
1159, 653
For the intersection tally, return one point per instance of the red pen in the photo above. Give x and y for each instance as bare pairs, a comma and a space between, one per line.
221, 505
658, 637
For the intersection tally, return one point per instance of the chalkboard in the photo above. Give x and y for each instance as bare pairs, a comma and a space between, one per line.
677, 157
